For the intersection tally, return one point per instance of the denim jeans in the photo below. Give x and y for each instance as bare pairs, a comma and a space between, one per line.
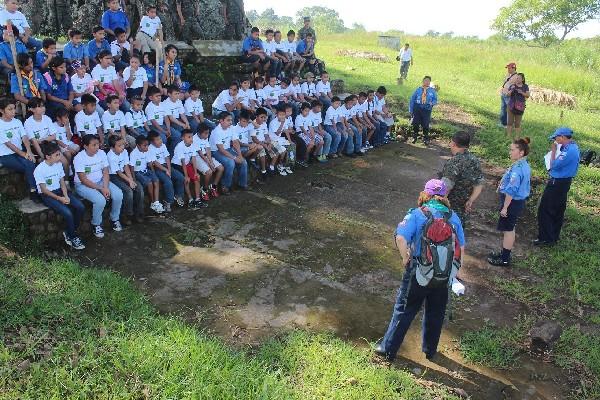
504, 110
358, 138
409, 300
99, 201
229, 166
326, 103
347, 142
172, 186
195, 124
380, 133
72, 213
133, 199
17, 163
336, 138
404, 66
326, 143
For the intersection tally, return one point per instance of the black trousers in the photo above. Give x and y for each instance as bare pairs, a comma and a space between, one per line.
551, 213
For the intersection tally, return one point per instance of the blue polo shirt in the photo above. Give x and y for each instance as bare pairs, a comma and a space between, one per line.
58, 88
6, 53
416, 100
516, 182
251, 43
40, 58
176, 69
151, 73
14, 84
301, 47
72, 52
115, 19
412, 225
566, 163
93, 50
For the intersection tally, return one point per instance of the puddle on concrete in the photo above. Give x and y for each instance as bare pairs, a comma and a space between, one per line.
293, 255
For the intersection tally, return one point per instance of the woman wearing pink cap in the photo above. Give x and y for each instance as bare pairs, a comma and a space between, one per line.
431, 243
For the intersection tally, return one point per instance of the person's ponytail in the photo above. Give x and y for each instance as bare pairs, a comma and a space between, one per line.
523, 144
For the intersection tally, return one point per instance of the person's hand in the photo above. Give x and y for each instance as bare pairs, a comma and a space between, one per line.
186, 180
29, 155
469, 206
132, 184
504, 212
65, 200
239, 159
554, 147
105, 192
405, 256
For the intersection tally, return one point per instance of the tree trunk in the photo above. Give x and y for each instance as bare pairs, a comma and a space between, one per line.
203, 19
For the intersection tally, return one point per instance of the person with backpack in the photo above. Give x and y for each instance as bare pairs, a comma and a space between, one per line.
514, 189
431, 243
518, 93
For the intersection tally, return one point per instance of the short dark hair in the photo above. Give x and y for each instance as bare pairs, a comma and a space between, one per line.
35, 102
171, 47
48, 42
462, 139
136, 98
151, 56
97, 29
287, 81
362, 94
203, 127
335, 98
113, 139
119, 31
291, 32
89, 138
110, 98
172, 88
382, 90
152, 135
5, 101
259, 79
56, 62
150, 7
102, 54
49, 147
426, 77
349, 98
187, 132
254, 29
309, 35
194, 88
261, 111
304, 106
317, 103
269, 31
233, 83
324, 73
245, 114
61, 113
280, 109
87, 98
23, 59
140, 140
222, 115
152, 91
74, 32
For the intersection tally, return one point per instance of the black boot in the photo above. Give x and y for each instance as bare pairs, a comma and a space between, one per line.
415, 133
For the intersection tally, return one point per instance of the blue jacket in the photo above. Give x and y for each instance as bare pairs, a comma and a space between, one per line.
415, 100
516, 182
566, 163
302, 47
412, 225
249, 44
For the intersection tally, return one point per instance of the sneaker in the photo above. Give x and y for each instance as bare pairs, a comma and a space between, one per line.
157, 207
322, 159
167, 207
179, 201
200, 203
116, 225
77, 243
498, 262
214, 192
360, 153
302, 163
67, 240
192, 205
282, 171
288, 170
98, 231
205, 196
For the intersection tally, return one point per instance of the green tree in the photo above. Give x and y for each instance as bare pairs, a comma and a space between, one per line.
544, 22
324, 20
268, 19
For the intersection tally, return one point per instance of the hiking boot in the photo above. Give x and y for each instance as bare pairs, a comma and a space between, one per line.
116, 226
98, 231
498, 261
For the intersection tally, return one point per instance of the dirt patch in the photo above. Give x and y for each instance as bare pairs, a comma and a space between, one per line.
315, 251
367, 55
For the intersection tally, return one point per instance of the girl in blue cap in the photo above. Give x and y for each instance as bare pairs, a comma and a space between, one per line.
514, 189
431, 243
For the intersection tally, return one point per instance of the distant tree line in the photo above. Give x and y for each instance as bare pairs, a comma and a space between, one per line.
324, 20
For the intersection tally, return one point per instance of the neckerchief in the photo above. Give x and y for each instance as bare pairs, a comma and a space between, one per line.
424, 96
32, 86
171, 72
435, 205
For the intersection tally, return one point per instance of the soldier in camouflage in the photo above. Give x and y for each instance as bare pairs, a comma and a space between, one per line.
462, 175
306, 29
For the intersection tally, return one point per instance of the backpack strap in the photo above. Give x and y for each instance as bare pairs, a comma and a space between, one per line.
47, 78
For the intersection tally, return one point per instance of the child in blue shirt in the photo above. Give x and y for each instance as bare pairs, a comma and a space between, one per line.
6, 59
172, 74
514, 189
114, 18
45, 55
30, 79
75, 50
96, 45
58, 88
420, 107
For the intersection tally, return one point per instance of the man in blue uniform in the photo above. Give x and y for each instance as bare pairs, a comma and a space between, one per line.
564, 164
420, 107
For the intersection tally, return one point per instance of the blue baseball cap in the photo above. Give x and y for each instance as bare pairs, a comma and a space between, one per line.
562, 131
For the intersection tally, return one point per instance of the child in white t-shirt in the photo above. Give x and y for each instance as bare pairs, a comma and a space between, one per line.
50, 180
276, 129
184, 161
113, 121
136, 122
150, 27
38, 127
64, 135
309, 90
170, 179
87, 121
141, 162
194, 110
121, 175
209, 167
136, 78
92, 182
247, 95
228, 101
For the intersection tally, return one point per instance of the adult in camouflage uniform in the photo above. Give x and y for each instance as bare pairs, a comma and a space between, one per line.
306, 29
462, 175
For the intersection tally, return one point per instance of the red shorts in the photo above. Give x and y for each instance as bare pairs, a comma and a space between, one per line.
191, 172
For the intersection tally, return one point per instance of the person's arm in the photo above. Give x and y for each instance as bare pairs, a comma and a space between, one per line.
411, 104
477, 189
507, 199
168, 162
224, 152
144, 89
131, 76
46, 192
27, 155
403, 249
44, 64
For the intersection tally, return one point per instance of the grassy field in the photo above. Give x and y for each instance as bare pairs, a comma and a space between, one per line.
469, 73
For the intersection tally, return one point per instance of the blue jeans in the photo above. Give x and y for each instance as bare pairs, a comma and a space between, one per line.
347, 143
99, 201
326, 103
379, 136
17, 163
358, 135
133, 199
72, 213
139, 131
503, 110
195, 124
173, 186
336, 138
229, 166
276, 67
326, 143
409, 300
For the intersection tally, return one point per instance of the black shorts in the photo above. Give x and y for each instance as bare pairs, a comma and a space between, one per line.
515, 209
252, 58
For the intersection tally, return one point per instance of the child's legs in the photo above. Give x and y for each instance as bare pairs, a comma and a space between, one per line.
20, 164
174, 139
178, 181
326, 143
228, 165
335, 138
193, 124
518, 119
96, 198
186, 187
116, 196
508, 241
167, 185
72, 213
127, 194
326, 101
242, 170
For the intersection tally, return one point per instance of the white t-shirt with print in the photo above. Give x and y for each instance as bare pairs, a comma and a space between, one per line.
139, 77
139, 160
87, 124
50, 175
17, 18
309, 88
113, 122
61, 134
243, 133
315, 118
135, 119
173, 108
39, 130
332, 116
272, 94
91, 166
323, 88
184, 152
245, 96
261, 132
223, 98
201, 144
104, 75
116, 162
159, 154
220, 136
156, 113
11, 132
81, 85
193, 107
150, 25
303, 122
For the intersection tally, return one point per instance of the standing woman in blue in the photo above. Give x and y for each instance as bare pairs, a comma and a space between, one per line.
514, 189
564, 164
431, 242
420, 107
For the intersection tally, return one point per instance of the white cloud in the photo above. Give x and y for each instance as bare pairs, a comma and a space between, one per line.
463, 17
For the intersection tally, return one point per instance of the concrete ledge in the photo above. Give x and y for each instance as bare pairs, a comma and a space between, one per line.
218, 48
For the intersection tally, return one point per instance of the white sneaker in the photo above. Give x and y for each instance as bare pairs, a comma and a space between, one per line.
157, 207
98, 231
281, 171
288, 170
77, 243
117, 227
167, 207
179, 201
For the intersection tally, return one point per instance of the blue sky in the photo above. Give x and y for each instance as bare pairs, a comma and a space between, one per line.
463, 17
